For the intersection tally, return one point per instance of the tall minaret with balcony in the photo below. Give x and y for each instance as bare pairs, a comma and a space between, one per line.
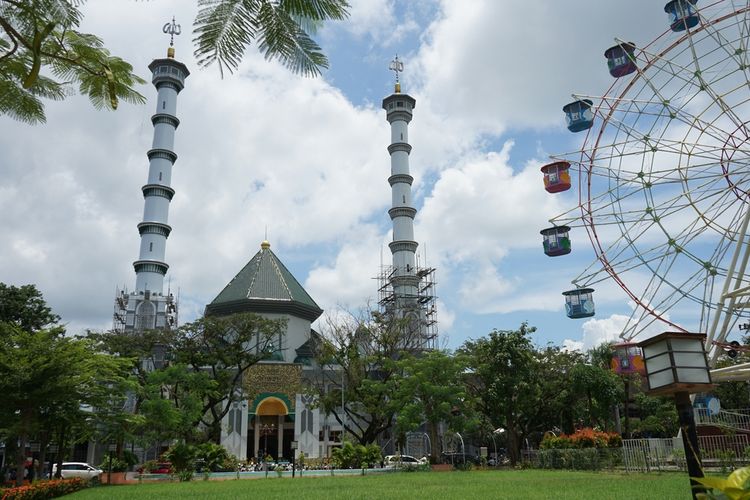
147, 306
404, 280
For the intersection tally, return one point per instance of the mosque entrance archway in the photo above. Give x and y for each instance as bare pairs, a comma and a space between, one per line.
271, 428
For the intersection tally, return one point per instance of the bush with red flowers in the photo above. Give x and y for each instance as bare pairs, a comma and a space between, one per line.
582, 438
42, 490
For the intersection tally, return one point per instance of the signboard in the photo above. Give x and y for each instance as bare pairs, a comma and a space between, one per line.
483, 451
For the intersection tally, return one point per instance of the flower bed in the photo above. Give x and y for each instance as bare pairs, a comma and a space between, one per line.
583, 438
42, 490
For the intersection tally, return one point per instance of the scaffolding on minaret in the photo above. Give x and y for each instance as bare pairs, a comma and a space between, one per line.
425, 301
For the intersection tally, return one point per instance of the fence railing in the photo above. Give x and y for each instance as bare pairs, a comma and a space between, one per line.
645, 455
735, 419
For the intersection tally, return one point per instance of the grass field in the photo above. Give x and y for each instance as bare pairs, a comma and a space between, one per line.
526, 484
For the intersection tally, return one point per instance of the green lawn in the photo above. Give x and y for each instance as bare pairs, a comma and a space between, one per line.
475, 485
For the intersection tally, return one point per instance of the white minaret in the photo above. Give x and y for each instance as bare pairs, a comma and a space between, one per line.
404, 280
147, 306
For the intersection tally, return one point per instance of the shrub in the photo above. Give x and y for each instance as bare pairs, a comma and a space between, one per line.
182, 456
45, 489
215, 457
582, 438
117, 464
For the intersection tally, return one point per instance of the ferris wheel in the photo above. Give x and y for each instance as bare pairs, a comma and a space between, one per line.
663, 178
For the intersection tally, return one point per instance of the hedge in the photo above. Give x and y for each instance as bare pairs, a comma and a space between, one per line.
41, 490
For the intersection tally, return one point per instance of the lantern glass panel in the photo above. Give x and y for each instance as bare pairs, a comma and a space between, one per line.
655, 349
658, 363
656, 380
692, 359
694, 345
693, 375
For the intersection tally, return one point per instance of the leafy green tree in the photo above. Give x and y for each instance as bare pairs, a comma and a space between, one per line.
25, 307
173, 402
363, 352
431, 389
503, 365
224, 348
43, 55
204, 362
46, 377
600, 389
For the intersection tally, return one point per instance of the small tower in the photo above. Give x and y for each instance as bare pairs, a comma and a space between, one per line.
402, 283
147, 306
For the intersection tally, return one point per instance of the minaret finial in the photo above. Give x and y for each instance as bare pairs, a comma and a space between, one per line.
397, 66
172, 29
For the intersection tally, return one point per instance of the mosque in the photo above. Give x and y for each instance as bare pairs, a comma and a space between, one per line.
275, 416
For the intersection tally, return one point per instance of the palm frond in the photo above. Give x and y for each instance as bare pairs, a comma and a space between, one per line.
222, 30
19, 104
280, 37
316, 10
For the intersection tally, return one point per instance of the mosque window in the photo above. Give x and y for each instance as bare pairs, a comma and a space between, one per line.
163, 104
399, 104
159, 175
151, 247
390, 105
403, 198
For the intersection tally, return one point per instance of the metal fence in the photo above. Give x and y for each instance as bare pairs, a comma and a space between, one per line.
645, 455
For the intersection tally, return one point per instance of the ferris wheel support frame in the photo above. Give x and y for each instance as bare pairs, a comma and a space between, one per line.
725, 310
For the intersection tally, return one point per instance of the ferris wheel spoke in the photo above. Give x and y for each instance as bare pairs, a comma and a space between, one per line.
706, 86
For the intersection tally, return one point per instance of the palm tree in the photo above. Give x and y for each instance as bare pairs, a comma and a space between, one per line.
38, 35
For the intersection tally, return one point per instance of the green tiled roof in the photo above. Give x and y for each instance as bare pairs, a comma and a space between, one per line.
265, 285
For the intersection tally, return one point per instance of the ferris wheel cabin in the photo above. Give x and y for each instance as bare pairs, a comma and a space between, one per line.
556, 176
620, 59
579, 303
578, 115
627, 359
682, 14
556, 240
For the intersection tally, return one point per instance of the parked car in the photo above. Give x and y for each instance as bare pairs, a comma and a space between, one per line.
401, 462
162, 468
77, 469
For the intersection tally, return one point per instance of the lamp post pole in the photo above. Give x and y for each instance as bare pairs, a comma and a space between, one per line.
689, 440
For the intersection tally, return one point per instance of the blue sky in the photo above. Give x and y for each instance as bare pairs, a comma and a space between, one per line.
307, 160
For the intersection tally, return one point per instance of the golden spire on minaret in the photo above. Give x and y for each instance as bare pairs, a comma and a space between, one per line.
397, 66
172, 29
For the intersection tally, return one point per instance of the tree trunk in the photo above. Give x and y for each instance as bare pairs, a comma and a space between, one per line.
43, 442
514, 445
23, 440
434, 445
62, 436
21, 458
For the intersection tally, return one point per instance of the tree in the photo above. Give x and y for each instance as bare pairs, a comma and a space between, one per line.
204, 361
25, 307
431, 389
38, 35
503, 366
600, 389
361, 352
47, 379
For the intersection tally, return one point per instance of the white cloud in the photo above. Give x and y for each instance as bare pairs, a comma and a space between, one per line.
489, 65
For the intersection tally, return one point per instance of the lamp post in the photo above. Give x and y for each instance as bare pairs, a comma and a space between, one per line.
265, 430
676, 363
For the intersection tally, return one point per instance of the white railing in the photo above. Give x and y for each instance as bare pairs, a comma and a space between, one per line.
646, 455
735, 419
